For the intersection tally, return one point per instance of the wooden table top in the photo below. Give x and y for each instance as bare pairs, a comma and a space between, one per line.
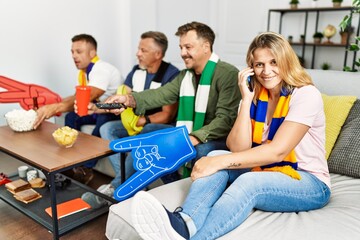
38, 147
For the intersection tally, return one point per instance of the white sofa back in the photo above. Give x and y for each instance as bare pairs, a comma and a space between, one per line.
336, 82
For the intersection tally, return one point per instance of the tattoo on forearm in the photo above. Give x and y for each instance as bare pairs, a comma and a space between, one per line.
234, 165
132, 102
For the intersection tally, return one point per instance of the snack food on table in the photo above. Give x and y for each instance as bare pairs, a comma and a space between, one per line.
21, 120
65, 136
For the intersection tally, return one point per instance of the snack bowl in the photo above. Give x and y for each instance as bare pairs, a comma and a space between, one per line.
20, 120
65, 136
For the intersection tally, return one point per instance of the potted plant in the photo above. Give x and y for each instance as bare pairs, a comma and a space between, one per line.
325, 66
348, 30
318, 37
337, 3
302, 38
354, 47
294, 4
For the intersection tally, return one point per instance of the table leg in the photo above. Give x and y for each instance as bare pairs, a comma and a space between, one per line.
122, 166
53, 206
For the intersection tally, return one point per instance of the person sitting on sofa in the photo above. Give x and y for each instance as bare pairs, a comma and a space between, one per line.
206, 90
277, 160
103, 78
151, 72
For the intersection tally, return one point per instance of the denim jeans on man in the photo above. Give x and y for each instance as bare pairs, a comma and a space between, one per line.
215, 207
115, 130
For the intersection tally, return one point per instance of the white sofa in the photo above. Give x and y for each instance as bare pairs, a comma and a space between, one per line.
340, 219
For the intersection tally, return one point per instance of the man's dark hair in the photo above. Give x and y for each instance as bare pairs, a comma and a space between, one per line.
202, 31
159, 38
85, 37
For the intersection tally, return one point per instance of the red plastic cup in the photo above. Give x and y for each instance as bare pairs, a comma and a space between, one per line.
82, 99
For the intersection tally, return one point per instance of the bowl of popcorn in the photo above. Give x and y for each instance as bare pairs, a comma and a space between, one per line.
20, 120
65, 136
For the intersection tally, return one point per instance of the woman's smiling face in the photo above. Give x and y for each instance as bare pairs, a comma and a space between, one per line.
266, 69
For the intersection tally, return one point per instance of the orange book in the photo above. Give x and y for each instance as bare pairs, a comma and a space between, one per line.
70, 207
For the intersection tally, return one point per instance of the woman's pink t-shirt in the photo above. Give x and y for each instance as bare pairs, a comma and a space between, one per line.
306, 107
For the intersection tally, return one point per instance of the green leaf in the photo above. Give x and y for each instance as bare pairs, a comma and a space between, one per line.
354, 47
345, 22
347, 69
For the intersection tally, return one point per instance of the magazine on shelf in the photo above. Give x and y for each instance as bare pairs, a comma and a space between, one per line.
70, 207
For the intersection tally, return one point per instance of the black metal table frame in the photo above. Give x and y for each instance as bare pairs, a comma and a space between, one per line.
51, 184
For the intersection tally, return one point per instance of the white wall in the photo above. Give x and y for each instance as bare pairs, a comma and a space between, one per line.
35, 38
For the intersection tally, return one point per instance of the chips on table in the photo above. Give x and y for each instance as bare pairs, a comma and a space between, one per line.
65, 136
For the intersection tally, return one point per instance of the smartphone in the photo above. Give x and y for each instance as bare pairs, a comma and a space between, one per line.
250, 83
110, 105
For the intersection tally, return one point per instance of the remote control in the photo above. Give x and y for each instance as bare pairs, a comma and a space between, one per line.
110, 105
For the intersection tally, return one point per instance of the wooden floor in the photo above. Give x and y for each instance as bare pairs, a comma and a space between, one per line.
14, 225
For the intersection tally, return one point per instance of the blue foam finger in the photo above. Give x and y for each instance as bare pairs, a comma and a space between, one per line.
155, 154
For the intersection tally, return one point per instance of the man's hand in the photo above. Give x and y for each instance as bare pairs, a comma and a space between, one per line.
91, 108
127, 100
45, 112
194, 140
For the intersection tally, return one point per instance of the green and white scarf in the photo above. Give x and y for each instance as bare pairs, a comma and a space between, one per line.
192, 107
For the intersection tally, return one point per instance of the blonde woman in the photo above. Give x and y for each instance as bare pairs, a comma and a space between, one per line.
276, 160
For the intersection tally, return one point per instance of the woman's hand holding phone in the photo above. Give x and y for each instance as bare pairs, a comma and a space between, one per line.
246, 84
250, 83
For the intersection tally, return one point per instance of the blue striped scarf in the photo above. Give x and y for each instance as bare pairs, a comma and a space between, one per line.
258, 115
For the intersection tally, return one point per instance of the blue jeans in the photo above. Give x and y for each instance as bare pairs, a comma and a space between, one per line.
219, 203
76, 122
115, 130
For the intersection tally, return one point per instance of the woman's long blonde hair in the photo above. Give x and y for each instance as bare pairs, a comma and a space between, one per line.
290, 69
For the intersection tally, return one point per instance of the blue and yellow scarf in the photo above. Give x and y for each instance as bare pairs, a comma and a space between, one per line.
83, 77
258, 115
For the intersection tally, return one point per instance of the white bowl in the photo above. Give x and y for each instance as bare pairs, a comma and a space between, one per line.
21, 120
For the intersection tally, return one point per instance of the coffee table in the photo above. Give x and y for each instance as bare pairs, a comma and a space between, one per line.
39, 149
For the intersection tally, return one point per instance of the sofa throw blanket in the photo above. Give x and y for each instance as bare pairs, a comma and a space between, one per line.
258, 115
83, 77
192, 107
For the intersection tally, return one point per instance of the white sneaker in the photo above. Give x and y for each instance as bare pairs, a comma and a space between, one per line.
107, 189
96, 201
150, 219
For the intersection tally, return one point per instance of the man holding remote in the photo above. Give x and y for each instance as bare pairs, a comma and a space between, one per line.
207, 92
151, 72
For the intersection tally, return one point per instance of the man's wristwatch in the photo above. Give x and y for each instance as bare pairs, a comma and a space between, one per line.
147, 119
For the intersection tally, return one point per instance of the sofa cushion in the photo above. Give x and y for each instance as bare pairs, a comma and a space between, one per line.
336, 111
345, 156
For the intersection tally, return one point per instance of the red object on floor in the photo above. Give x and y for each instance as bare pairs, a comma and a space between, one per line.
4, 179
